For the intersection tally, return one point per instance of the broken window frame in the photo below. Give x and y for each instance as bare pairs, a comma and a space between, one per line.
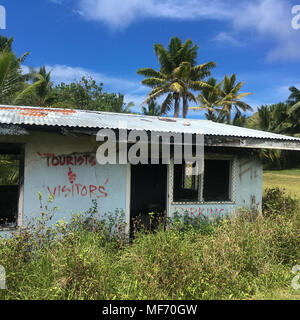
10, 148
195, 183
186, 192
201, 200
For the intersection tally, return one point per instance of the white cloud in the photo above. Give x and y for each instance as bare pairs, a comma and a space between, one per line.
268, 19
121, 13
63, 73
271, 19
227, 38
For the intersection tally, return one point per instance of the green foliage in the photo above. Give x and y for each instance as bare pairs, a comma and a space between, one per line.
153, 109
40, 93
239, 119
201, 224
230, 98
219, 100
88, 95
208, 98
178, 76
277, 202
279, 118
273, 118
12, 82
9, 170
234, 258
281, 207
294, 97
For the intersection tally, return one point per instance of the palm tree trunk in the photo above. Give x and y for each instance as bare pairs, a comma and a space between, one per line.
176, 105
184, 106
220, 115
229, 114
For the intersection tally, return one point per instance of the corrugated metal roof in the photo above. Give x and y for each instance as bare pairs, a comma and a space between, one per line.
95, 119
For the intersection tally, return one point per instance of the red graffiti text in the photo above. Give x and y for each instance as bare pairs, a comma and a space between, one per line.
69, 160
199, 211
73, 189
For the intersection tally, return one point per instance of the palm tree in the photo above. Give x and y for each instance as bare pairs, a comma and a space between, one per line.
264, 118
12, 82
239, 119
42, 95
177, 75
294, 96
9, 79
153, 109
43, 91
190, 78
6, 43
294, 110
281, 122
209, 98
113, 102
230, 98
272, 118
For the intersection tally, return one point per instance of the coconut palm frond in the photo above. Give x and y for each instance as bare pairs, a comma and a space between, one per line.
167, 104
178, 75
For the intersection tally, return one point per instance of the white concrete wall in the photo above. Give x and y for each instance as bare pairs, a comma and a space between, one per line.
249, 181
74, 182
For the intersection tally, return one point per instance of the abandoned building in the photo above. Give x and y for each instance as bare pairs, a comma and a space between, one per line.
52, 151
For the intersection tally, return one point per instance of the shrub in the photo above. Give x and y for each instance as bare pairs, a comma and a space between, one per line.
277, 202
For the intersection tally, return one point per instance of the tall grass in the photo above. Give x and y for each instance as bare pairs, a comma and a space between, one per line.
90, 257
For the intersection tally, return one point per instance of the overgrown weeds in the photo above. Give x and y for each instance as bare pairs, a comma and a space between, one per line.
90, 257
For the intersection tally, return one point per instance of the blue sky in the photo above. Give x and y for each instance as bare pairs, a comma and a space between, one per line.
111, 39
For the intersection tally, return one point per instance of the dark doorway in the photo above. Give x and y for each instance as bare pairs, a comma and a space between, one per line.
11, 182
148, 195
